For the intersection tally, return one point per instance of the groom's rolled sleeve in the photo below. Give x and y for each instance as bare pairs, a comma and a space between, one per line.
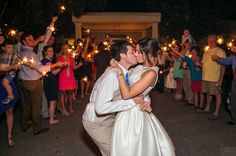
105, 93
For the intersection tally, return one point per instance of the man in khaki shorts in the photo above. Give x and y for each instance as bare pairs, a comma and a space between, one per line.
212, 75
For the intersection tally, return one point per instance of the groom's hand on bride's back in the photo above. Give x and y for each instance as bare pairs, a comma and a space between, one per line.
144, 106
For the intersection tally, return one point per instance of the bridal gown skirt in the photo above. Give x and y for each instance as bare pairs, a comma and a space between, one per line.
138, 133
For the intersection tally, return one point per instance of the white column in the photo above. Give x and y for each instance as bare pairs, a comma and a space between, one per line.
78, 33
155, 30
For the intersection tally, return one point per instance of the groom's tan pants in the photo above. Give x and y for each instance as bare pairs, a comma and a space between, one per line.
101, 135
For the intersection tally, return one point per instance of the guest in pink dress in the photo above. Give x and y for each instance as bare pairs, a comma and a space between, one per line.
67, 83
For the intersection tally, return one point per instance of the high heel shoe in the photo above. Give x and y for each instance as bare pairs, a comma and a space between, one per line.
10, 142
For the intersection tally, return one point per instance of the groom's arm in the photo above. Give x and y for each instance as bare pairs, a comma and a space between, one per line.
105, 93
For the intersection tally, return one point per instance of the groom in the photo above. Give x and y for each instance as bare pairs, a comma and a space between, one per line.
105, 99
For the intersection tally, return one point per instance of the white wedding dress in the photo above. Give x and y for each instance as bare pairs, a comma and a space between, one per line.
138, 133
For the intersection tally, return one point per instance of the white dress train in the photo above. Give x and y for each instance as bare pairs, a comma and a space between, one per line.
138, 133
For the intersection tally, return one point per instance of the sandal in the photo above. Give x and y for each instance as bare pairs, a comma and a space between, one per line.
10, 142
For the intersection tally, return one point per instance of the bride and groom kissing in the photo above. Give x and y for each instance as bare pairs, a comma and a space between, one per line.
118, 116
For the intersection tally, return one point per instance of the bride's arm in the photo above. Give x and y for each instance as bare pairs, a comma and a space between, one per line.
147, 80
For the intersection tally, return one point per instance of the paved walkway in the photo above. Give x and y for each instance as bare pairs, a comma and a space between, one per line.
192, 133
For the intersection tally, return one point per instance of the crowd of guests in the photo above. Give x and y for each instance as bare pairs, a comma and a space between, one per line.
49, 78
199, 77
46, 80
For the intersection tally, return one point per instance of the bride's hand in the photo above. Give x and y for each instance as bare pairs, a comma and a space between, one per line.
113, 63
116, 69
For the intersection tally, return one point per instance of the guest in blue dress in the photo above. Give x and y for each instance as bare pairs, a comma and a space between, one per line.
8, 108
50, 84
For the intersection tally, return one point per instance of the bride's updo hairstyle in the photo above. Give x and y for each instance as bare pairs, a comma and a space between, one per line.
149, 47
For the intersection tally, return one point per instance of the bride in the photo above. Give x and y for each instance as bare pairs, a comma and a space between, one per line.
138, 133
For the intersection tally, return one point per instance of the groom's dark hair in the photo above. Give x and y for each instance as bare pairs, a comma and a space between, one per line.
119, 47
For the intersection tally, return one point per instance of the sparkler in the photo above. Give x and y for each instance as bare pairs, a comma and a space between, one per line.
220, 40
80, 44
230, 44
12, 32
62, 8
164, 48
206, 48
105, 43
85, 79
44, 73
51, 28
173, 41
87, 31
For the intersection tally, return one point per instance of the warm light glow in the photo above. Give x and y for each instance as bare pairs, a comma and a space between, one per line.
80, 44
220, 40
51, 28
85, 79
206, 48
229, 45
25, 60
96, 51
173, 41
12, 32
164, 48
31, 60
190, 55
63, 8
74, 55
44, 73
105, 43
87, 31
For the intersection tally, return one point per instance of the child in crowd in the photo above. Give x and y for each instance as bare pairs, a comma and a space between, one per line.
8, 57
187, 36
193, 61
178, 72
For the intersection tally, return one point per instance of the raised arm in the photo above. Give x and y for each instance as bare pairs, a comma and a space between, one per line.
147, 79
50, 29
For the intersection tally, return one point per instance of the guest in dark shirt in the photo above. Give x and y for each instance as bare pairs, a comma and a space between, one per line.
101, 60
50, 83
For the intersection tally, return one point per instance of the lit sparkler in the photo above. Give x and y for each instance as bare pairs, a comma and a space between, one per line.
62, 8
85, 79
51, 28
230, 44
220, 40
206, 48
12, 32
87, 31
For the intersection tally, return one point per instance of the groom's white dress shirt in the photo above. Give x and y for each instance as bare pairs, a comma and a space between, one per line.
102, 98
